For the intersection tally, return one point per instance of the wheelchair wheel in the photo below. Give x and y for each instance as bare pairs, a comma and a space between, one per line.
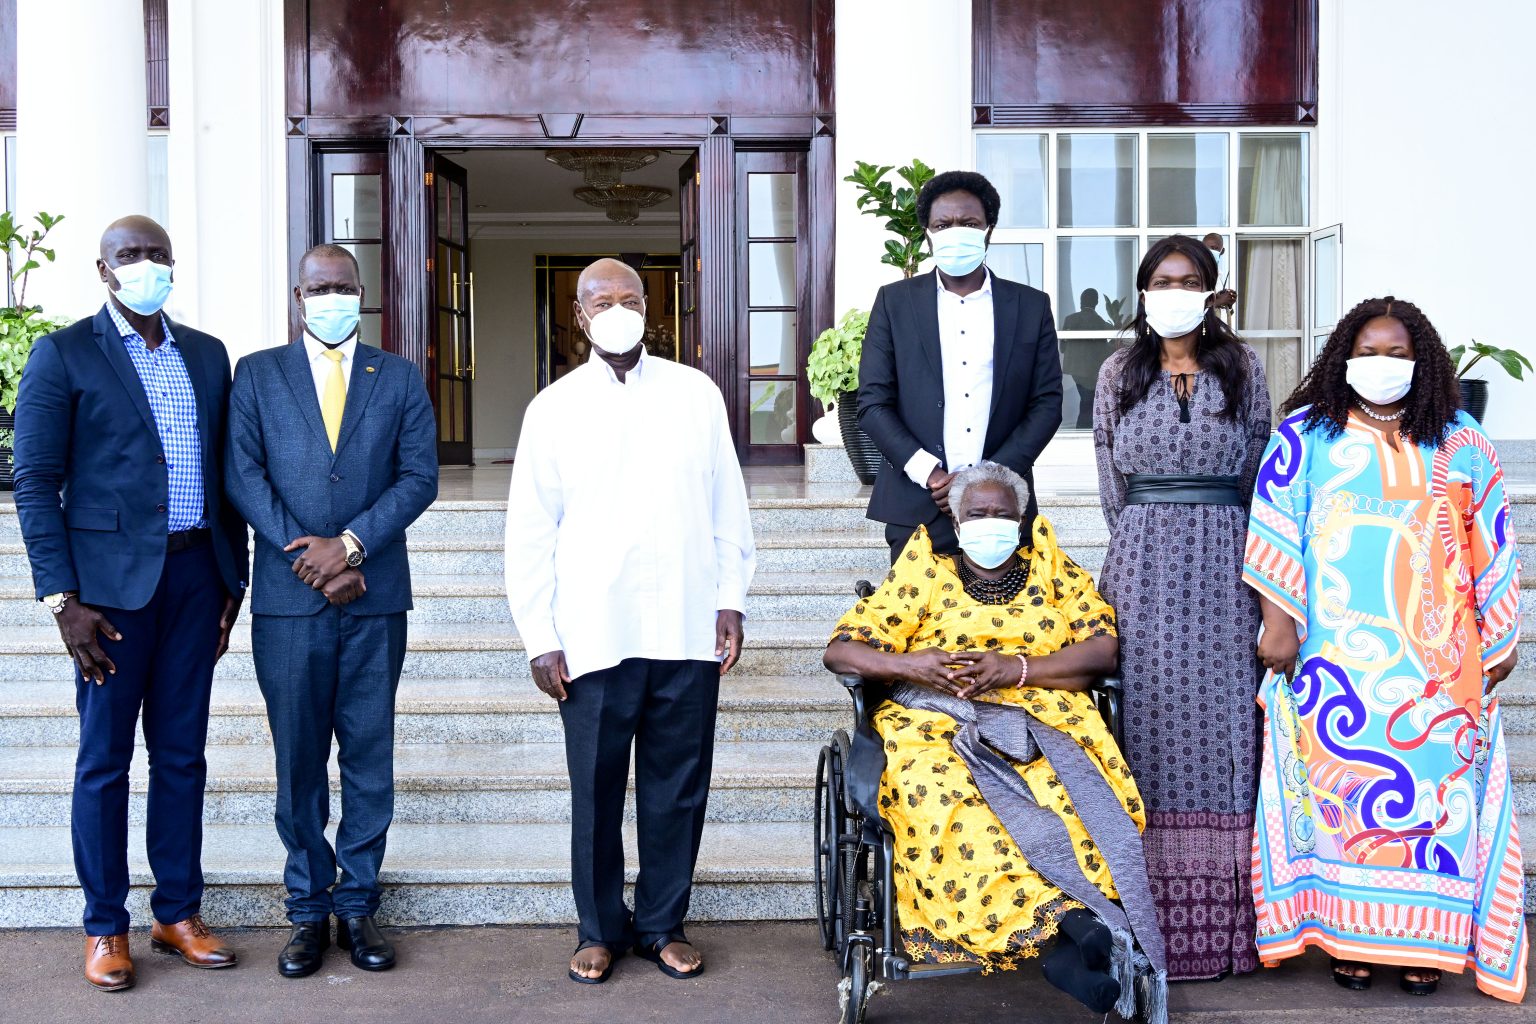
855, 1000
829, 826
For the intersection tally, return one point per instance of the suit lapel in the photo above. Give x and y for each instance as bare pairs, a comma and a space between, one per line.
111, 344
925, 315
295, 364
365, 373
1005, 321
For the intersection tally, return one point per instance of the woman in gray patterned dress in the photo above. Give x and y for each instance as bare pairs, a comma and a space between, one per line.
1181, 417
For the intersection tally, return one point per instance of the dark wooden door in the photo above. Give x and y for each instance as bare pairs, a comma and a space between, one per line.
690, 347
453, 290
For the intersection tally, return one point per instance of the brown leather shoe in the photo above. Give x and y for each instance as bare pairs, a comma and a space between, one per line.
193, 942
107, 963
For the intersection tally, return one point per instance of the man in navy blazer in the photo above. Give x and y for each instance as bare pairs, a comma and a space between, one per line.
332, 455
120, 424
958, 366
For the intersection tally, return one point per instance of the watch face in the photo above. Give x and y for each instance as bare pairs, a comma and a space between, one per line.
354, 558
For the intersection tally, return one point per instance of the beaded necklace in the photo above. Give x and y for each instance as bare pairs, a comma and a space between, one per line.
999, 591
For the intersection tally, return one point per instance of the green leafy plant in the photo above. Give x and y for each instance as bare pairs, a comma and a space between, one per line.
897, 207
833, 366
7, 442
21, 325
1512, 362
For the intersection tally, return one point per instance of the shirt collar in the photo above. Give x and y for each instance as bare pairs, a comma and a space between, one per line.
985, 289
313, 346
632, 374
129, 334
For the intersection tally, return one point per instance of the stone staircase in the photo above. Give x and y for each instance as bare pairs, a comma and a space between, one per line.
480, 832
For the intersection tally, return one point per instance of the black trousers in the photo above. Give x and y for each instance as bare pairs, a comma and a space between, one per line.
941, 531
666, 711
164, 670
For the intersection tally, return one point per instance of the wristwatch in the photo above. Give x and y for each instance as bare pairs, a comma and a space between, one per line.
355, 553
55, 602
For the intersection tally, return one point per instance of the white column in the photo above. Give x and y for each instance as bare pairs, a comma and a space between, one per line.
227, 170
903, 81
81, 131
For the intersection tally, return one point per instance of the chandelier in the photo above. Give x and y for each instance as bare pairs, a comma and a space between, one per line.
602, 168
623, 203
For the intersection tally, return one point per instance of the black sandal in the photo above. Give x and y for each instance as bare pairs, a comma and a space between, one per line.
1420, 988
1350, 981
613, 958
653, 954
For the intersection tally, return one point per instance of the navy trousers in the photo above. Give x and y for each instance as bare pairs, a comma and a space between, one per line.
323, 675
941, 532
164, 665
666, 711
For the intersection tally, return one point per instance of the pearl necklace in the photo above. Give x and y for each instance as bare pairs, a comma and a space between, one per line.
999, 591
1378, 416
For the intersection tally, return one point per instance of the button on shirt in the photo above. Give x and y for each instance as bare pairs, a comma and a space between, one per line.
320, 366
965, 346
168, 387
627, 520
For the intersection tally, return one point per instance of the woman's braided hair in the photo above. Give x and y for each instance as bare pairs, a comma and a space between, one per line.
1432, 402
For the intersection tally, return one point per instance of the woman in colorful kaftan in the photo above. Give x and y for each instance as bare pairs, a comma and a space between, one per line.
1381, 545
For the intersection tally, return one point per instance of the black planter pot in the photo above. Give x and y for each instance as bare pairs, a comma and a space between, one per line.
1474, 397
866, 458
7, 471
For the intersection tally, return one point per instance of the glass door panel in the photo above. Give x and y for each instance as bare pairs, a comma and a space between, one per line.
453, 348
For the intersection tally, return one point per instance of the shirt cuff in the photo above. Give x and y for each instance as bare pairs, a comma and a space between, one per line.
539, 638
357, 540
920, 467
732, 598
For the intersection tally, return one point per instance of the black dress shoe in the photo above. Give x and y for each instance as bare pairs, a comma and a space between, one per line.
371, 951
305, 952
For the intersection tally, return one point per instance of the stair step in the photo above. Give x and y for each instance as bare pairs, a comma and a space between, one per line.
461, 874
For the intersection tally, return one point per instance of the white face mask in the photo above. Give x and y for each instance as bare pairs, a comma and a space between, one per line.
1380, 380
1174, 312
616, 330
144, 286
988, 542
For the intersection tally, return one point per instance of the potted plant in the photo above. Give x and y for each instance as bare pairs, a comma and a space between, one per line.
832, 371
20, 324
1474, 391
897, 207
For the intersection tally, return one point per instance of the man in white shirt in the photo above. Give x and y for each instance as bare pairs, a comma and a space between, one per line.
629, 552
1226, 297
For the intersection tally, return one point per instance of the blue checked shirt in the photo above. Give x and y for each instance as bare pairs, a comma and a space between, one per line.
168, 387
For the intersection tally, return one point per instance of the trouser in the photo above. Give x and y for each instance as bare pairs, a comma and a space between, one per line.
164, 666
666, 710
328, 674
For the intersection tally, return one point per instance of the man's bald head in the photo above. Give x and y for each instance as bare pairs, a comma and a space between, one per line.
607, 274
131, 239
1215, 242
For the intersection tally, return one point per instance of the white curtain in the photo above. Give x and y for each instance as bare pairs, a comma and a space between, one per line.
1270, 290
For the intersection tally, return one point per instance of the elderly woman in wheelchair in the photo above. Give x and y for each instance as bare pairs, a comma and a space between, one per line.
1012, 823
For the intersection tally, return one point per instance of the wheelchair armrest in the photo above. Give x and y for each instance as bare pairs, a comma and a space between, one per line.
855, 687
1110, 684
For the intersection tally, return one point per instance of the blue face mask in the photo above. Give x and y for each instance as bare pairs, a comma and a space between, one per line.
143, 286
332, 318
988, 542
959, 250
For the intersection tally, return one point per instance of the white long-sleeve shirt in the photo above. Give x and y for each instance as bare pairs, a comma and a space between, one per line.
966, 332
627, 522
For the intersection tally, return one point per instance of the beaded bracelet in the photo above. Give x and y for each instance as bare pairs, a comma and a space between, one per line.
1023, 668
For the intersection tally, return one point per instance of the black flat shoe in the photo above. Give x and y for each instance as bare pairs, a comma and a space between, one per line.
1420, 988
653, 954
1092, 938
613, 958
305, 952
371, 951
1065, 968
1348, 980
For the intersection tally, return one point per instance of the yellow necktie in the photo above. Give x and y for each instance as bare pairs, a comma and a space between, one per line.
335, 399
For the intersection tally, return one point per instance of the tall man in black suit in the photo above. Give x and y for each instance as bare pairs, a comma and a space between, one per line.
120, 425
958, 366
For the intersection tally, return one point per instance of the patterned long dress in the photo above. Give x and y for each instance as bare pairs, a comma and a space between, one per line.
963, 890
1387, 829
1187, 628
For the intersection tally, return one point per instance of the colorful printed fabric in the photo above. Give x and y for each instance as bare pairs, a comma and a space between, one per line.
1385, 830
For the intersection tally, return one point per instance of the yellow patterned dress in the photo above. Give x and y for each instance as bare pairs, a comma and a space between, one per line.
963, 891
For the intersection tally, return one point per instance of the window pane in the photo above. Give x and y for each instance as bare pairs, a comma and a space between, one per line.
1023, 262
370, 256
1187, 180
1325, 276
771, 274
357, 206
1080, 362
1269, 279
771, 205
158, 201
1016, 164
1272, 180
772, 343
10, 172
372, 329
772, 405
455, 231
1096, 181
1095, 283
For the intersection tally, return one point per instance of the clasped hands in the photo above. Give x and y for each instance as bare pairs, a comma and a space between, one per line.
323, 565
964, 674
938, 487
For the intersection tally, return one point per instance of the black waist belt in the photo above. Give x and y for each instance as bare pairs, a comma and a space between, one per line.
183, 539
1183, 489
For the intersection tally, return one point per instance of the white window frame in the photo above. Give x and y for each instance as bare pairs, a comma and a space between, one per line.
1237, 236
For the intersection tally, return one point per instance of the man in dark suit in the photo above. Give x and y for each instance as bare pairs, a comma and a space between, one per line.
958, 366
332, 455
120, 425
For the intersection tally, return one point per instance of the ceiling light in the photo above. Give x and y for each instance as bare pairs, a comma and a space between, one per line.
623, 203
602, 168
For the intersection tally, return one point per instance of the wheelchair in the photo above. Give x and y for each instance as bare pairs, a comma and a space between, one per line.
854, 854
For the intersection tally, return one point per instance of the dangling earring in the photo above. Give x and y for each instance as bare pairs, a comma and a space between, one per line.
1202, 328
